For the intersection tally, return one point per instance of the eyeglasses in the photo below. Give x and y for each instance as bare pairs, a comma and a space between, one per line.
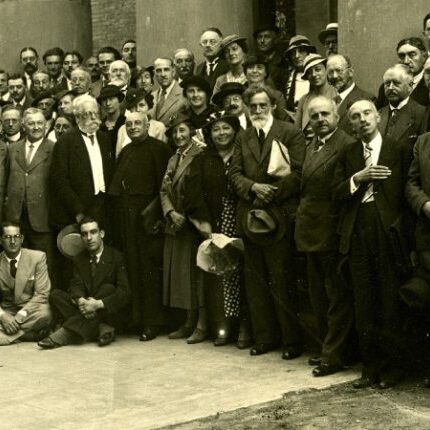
9, 238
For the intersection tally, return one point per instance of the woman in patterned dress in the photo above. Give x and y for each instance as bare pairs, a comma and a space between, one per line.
211, 205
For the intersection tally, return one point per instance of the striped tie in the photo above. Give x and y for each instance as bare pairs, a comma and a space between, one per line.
368, 195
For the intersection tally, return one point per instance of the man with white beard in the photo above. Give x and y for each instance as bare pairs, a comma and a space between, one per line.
266, 202
119, 75
81, 169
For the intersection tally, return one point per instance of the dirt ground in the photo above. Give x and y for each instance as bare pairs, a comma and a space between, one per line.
340, 407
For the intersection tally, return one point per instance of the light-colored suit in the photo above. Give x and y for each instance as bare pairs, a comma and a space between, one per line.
31, 288
172, 104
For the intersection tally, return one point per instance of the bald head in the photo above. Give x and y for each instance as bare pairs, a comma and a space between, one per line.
323, 116
397, 84
364, 119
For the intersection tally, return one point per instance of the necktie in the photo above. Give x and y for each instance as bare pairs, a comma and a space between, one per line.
367, 152
12, 267
211, 67
318, 145
261, 138
91, 137
161, 100
93, 264
29, 156
391, 122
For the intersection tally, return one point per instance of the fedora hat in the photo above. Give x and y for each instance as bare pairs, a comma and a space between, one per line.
234, 38
42, 96
219, 254
264, 226
227, 89
312, 60
416, 293
199, 82
69, 241
110, 91
331, 28
265, 27
299, 41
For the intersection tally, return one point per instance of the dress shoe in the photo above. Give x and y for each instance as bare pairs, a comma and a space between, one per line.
325, 369
314, 361
106, 338
182, 333
223, 337
243, 343
198, 336
262, 348
148, 334
363, 382
292, 352
48, 343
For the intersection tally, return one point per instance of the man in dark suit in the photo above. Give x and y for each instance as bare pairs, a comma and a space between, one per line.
425, 126
369, 182
53, 60
402, 119
19, 96
81, 169
11, 119
169, 99
214, 66
413, 54
29, 59
135, 187
106, 56
340, 74
184, 62
27, 189
316, 223
97, 296
269, 278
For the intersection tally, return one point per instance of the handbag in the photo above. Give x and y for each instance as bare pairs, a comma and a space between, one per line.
279, 162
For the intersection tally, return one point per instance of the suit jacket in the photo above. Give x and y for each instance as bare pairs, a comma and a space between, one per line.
249, 165
31, 284
418, 189
407, 123
29, 185
3, 169
72, 187
60, 86
318, 214
220, 69
420, 94
110, 270
356, 94
389, 193
173, 103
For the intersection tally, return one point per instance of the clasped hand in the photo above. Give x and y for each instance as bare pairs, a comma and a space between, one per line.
88, 307
264, 192
10, 324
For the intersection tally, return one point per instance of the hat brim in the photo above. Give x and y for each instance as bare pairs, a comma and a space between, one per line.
309, 66
69, 241
322, 36
119, 95
229, 119
218, 97
241, 41
310, 48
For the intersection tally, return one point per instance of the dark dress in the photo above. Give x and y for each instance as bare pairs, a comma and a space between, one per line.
209, 196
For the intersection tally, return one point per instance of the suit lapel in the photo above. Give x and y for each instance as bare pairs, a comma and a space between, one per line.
268, 142
405, 118
384, 119
20, 154
253, 144
41, 154
171, 99
103, 267
23, 273
185, 162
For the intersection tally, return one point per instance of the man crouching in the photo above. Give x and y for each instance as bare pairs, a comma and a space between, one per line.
98, 292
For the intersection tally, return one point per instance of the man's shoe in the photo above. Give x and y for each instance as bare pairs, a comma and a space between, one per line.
325, 369
148, 334
314, 361
363, 382
262, 348
223, 337
198, 336
243, 343
292, 352
48, 343
182, 333
106, 338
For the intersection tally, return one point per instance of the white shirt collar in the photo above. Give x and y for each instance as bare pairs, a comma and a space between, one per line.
401, 104
99, 254
14, 138
168, 90
376, 142
243, 121
327, 137
35, 144
10, 259
343, 94
417, 78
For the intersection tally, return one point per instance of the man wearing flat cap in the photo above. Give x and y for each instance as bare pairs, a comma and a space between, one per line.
266, 39
271, 197
230, 99
110, 99
214, 65
294, 85
315, 72
198, 92
328, 37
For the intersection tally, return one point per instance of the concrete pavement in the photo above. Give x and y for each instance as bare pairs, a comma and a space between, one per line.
141, 385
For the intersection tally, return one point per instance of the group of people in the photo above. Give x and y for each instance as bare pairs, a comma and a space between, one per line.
281, 149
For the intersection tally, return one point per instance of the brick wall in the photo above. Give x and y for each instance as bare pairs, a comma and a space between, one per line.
113, 22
